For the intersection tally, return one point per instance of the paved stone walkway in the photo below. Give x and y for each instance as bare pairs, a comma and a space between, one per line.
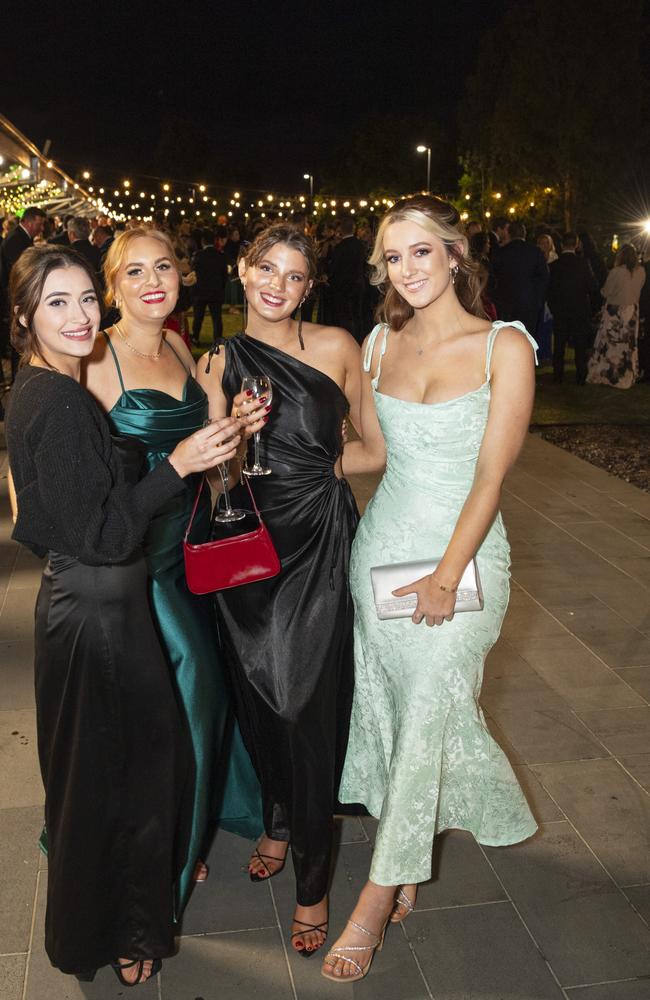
567, 693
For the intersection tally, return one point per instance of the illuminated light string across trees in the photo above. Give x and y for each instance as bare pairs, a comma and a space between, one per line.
137, 197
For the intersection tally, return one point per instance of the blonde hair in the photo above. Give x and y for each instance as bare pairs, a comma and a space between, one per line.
118, 250
442, 221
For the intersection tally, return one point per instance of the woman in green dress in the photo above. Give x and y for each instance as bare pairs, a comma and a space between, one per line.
446, 403
143, 376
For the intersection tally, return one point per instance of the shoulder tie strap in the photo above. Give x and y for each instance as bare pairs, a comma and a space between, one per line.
370, 347
492, 336
117, 364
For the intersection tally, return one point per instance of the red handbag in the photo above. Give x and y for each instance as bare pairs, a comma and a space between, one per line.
229, 562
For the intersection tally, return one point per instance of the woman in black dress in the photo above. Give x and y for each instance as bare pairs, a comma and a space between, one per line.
112, 745
289, 639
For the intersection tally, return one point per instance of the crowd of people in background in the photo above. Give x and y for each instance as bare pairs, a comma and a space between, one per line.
559, 285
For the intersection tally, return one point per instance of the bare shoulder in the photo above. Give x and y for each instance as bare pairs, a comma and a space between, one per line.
216, 361
330, 339
178, 344
512, 349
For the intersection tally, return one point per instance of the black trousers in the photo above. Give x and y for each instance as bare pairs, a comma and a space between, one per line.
200, 305
578, 333
347, 311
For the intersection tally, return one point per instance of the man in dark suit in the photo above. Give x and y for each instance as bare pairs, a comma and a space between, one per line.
520, 279
570, 288
30, 226
346, 276
211, 268
79, 236
62, 238
498, 235
103, 239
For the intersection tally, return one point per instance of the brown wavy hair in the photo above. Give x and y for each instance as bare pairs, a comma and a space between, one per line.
278, 233
442, 221
26, 283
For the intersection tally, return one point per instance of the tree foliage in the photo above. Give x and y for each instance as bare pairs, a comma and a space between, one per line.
380, 157
556, 101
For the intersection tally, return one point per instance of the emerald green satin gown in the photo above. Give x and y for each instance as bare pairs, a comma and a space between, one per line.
227, 791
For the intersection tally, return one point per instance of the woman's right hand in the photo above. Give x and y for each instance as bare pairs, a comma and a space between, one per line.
251, 413
206, 448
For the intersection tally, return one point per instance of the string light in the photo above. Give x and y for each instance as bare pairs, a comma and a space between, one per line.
282, 205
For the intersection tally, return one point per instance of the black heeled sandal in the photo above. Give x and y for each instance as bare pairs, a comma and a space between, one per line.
254, 877
322, 928
118, 966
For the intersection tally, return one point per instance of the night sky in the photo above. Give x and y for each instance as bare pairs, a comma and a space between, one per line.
263, 91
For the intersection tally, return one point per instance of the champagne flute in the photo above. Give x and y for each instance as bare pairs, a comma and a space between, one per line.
257, 385
230, 513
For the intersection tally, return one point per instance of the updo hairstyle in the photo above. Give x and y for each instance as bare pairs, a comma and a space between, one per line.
26, 283
442, 221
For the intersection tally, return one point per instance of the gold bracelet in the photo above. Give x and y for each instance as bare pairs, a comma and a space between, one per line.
447, 590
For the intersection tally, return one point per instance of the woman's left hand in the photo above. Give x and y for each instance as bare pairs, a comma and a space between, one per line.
252, 414
434, 605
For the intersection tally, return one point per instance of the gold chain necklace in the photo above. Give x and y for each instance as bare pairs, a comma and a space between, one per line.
141, 354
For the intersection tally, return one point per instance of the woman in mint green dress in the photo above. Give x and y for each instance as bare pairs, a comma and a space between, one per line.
143, 376
446, 404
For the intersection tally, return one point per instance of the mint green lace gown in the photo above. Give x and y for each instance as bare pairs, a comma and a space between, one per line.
420, 756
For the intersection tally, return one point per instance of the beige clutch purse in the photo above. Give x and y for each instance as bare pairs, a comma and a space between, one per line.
386, 579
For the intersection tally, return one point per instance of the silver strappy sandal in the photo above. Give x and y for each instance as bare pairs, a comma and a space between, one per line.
337, 954
402, 902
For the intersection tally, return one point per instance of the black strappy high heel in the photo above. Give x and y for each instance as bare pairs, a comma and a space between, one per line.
118, 966
254, 877
322, 928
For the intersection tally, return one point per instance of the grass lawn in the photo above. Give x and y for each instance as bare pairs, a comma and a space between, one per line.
554, 404
588, 404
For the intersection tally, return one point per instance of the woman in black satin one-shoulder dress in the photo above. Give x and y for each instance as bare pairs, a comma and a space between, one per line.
289, 640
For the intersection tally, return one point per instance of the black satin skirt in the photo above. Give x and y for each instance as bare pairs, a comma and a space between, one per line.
116, 765
289, 640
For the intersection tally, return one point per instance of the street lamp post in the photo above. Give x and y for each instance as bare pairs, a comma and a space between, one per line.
310, 178
427, 150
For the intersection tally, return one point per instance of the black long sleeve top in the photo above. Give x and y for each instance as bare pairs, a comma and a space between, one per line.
73, 496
